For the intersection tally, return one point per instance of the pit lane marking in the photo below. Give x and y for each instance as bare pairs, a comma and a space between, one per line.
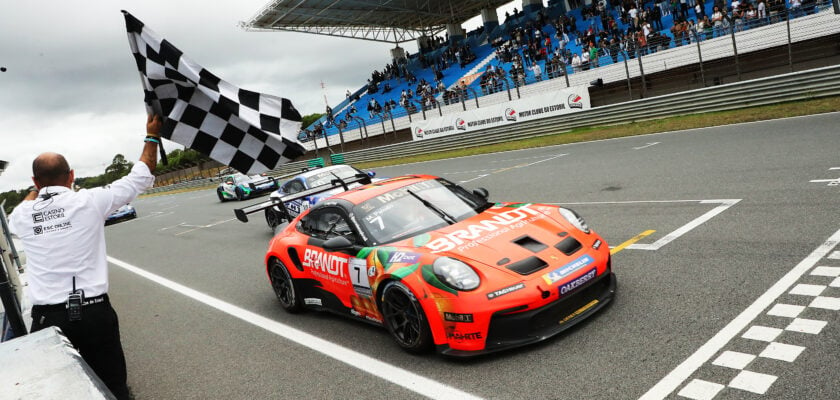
632, 240
391, 373
707, 390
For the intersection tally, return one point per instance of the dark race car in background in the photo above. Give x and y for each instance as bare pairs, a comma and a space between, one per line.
441, 267
123, 213
240, 186
306, 180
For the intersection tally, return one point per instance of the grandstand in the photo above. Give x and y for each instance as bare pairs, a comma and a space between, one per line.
494, 60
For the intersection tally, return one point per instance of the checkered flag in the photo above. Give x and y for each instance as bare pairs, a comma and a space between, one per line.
251, 132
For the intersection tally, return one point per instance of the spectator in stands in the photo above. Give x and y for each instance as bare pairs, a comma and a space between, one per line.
593, 55
700, 10
761, 10
537, 70
656, 17
348, 93
577, 63
717, 21
751, 15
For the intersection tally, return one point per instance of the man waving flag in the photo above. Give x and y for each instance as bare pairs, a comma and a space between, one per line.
251, 132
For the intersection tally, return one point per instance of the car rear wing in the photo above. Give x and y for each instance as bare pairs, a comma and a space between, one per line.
253, 185
242, 213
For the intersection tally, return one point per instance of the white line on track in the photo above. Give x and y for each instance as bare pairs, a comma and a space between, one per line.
683, 371
724, 204
646, 146
391, 373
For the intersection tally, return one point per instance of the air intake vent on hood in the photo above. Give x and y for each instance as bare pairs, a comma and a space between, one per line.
530, 243
528, 266
568, 246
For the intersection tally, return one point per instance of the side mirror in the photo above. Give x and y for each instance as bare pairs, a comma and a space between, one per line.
338, 243
481, 192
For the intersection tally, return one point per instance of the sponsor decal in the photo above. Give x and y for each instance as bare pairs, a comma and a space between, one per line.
460, 124
576, 283
430, 132
483, 229
579, 311
311, 301
47, 215
510, 114
542, 110
566, 270
454, 317
503, 291
42, 229
403, 257
575, 101
419, 133
402, 192
323, 262
459, 337
371, 271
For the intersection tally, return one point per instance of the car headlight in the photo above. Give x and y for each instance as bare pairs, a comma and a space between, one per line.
574, 219
455, 274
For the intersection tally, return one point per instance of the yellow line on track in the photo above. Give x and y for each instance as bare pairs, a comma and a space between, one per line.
634, 239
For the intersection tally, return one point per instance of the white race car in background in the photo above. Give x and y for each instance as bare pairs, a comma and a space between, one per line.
240, 186
309, 179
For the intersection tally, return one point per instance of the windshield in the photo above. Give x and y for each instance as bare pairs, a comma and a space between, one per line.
397, 214
325, 177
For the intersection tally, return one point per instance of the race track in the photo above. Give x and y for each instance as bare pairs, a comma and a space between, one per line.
726, 253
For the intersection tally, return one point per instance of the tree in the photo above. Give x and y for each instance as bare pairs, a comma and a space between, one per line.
119, 168
309, 119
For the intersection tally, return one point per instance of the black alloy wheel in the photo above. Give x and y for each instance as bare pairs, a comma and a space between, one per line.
221, 196
405, 319
240, 195
272, 218
284, 287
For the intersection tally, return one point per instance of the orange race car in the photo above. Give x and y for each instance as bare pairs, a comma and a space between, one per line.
439, 266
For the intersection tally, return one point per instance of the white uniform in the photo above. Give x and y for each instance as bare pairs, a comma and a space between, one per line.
63, 234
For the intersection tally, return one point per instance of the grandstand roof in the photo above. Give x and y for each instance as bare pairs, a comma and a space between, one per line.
393, 21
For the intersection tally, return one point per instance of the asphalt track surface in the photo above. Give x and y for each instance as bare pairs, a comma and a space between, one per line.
725, 245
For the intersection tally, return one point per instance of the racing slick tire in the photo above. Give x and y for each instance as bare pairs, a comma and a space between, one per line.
405, 319
221, 196
284, 287
240, 195
273, 219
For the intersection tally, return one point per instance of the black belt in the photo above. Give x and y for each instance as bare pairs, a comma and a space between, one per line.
101, 299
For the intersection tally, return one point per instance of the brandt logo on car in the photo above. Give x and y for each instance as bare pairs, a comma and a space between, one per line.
510, 114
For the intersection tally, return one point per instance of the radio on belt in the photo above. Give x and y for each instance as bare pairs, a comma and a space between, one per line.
74, 303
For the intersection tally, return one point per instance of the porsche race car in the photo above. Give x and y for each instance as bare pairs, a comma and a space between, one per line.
441, 267
123, 213
306, 180
240, 186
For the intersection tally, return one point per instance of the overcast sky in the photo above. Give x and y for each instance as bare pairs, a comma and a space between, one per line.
71, 85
